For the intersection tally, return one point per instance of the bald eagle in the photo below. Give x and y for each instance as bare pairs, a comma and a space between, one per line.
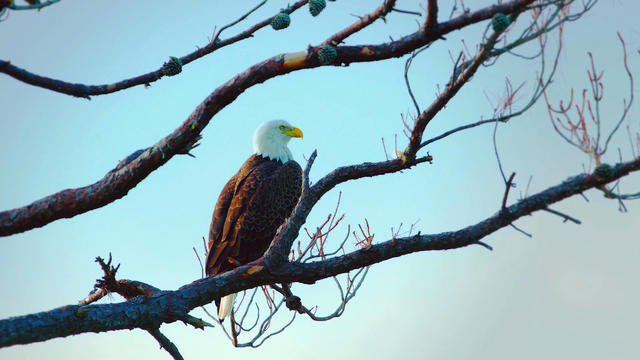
254, 203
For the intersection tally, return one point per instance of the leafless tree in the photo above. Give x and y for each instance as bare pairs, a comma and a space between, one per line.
295, 257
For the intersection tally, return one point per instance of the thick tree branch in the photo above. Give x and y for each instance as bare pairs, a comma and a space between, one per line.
169, 306
422, 37
118, 182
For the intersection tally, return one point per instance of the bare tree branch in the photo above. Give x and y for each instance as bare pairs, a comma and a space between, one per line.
564, 216
86, 91
432, 14
449, 92
148, 307
168, 306
458, 129
363, 22
166, 344
117, 183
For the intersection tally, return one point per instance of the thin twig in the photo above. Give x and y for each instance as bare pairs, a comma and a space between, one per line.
407, 66
562, 215
238, 20
406, 12
495, 149
94, 296
484, 245
521, 231
508, 185
363, 22
464, 127
166, 344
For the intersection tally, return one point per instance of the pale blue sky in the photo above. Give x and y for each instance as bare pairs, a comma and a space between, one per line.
569, 292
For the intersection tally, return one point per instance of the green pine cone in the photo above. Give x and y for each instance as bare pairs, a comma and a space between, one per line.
327, 54
281, 21
316, 6
172, 67
500, 22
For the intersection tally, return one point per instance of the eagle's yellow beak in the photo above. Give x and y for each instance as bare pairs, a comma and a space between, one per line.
294, 132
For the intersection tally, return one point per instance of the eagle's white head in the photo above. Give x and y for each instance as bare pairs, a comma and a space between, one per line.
271, 138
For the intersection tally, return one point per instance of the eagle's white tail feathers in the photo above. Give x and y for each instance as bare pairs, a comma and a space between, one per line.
226, 305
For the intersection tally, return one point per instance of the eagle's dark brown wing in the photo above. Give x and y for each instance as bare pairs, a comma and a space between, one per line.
224, 201
251, 207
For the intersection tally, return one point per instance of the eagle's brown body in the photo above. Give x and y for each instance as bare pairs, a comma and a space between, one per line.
251, 207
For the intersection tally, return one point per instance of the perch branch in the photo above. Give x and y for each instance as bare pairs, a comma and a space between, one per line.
166, 307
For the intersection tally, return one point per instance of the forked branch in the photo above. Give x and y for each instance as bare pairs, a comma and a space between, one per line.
166, 307
86, 91
116, 184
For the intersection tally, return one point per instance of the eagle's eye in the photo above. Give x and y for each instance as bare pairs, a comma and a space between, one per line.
282, 128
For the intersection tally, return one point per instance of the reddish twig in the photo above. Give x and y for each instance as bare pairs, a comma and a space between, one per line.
367, 237
579, 132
